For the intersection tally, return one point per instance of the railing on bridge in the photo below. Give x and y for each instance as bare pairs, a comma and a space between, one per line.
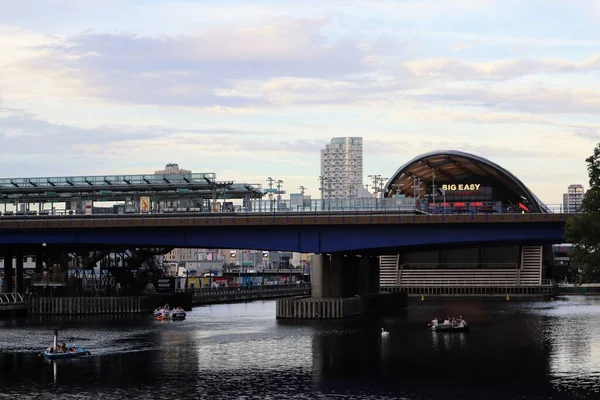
453, 266
209, 291
377, 209
465, 282
11, 298
49, 279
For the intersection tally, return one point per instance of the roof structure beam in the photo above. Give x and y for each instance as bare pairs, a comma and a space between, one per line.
436, 170
462, 165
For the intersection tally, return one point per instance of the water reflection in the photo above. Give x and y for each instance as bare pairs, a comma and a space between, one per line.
527, 350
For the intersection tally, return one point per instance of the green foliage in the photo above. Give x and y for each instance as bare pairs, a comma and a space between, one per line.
584, 229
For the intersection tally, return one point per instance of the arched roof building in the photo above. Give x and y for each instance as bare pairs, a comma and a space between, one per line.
456, 173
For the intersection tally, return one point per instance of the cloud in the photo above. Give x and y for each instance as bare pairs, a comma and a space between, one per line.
187, 70
535, 100
453, 69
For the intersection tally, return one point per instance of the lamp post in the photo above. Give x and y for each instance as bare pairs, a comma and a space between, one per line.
322, 180
375, 179
279, 192
270, 181
433, 186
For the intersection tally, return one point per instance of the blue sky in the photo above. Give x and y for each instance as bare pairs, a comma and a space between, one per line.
251, 89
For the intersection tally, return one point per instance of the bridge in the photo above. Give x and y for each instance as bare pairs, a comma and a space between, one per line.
318, 232
445, 215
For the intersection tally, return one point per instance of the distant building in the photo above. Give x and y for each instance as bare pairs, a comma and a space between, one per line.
172, 169
177, 256
342, 168
573, 198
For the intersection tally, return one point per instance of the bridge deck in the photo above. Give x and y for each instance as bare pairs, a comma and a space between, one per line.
253, 219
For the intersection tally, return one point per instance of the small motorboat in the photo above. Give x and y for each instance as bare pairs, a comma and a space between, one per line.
162, 313
60, 350
178, 314
459, 325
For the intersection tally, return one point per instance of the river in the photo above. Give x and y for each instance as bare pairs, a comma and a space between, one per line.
533, 350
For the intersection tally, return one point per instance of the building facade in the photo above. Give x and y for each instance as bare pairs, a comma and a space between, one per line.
342, 168
456, 182
573, 198
177, 256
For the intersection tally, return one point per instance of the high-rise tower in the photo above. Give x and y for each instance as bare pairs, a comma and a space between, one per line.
342, 168
573, 198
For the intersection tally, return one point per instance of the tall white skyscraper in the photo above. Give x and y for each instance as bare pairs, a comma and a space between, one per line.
573, 198
342, 168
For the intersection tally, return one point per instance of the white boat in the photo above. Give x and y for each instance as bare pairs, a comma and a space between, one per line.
178, 314
449, 326
162, 313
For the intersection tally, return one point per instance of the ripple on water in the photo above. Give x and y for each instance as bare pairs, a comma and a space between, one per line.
543, 349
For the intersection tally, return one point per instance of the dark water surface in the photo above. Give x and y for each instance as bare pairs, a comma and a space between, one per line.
543, 350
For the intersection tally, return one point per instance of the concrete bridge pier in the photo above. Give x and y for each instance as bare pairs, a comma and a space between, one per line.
8, 272
19, 272
39, 261
342, 285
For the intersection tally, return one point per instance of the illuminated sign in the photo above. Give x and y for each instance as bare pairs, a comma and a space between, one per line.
462, 186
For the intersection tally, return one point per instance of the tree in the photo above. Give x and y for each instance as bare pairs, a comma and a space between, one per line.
583, 230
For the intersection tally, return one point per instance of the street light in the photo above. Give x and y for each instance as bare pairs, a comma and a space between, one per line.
322, 180
279, 192
375, 179
271, 200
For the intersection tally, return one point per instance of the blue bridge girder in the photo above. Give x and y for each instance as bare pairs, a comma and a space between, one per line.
317, 233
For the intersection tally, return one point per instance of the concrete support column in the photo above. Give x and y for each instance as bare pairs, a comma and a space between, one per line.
339, 276
19, 272
318, 264
39, 261
374, 283
351, 275
8, 271
364, 275
335, 275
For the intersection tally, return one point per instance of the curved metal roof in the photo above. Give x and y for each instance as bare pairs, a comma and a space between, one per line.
451, 165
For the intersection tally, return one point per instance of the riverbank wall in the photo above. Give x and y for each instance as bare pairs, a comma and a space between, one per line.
147, 303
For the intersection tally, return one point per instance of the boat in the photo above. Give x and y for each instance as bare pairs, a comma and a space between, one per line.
162, 313
59, 350
178, 314
459, 325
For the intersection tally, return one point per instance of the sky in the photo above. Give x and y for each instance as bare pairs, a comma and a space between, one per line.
255, 89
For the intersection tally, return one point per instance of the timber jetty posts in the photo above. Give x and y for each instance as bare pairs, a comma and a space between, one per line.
147, 303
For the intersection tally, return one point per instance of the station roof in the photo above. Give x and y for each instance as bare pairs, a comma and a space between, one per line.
454, 166
118, 187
